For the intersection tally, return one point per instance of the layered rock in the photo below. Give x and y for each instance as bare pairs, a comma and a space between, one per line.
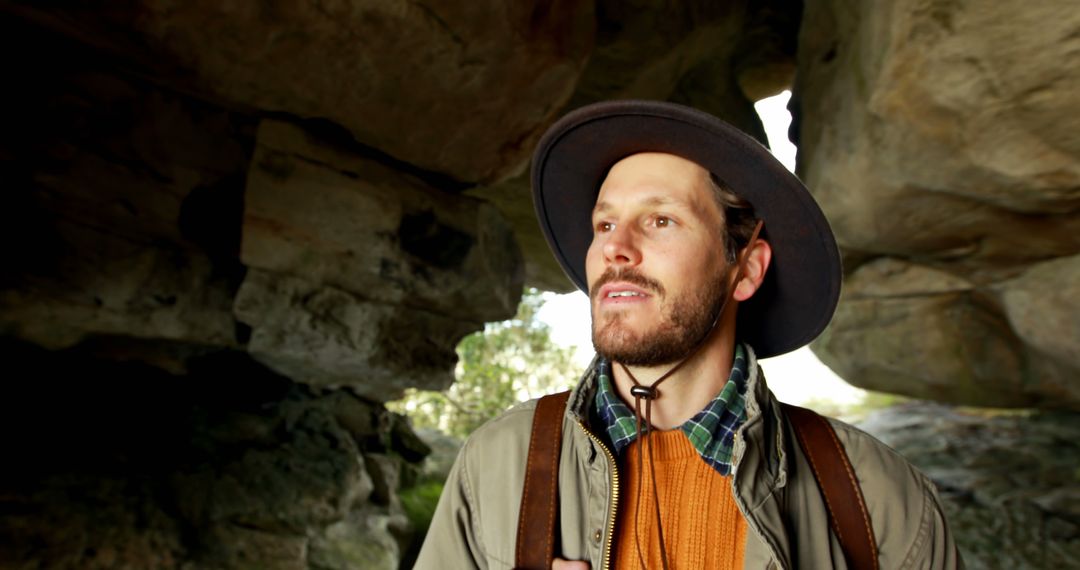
283, 213
361, 275
175, 235
941, 136
154, 226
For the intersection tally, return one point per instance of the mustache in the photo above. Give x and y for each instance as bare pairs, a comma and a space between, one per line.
631, 276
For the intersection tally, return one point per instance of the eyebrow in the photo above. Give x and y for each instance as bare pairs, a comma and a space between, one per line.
651, 201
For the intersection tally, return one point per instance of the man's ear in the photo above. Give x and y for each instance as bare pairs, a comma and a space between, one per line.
757, 263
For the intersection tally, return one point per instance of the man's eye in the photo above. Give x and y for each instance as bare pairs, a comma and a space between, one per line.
604, 227
663, 221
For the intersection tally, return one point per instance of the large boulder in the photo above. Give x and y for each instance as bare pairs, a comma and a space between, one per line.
943, 136
912, 329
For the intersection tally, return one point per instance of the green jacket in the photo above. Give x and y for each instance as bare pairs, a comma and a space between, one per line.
475, 524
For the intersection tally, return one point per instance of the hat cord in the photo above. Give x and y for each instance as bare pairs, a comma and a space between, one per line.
650, 393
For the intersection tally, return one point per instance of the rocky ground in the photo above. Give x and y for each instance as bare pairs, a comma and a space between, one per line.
1010, 483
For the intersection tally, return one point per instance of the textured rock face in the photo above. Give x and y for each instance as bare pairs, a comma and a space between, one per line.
283, 214
334, 217
147, 226
124, 210
459, 88
456, 93
1042, 305
163, 227
1008, 484
361, 275
327, 337
942, 136
230, 466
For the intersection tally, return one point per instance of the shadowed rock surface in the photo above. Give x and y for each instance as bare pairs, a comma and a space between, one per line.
1009, 484
229, 466
232, 231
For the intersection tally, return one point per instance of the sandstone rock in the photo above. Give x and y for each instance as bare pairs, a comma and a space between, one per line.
123, 215
462, 89
363, 421
914, 330
1008, 483
944, 132
408, 444
97, 523
386, 476
311, 479
230, 467
327, 337
1043, 306
240, 547
362, 541
514, 201
942, 135
688, 52
337, 218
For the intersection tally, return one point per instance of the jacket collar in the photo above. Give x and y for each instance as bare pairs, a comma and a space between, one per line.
582, 396
760, 456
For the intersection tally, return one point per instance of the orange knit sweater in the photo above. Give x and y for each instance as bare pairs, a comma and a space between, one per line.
703, 527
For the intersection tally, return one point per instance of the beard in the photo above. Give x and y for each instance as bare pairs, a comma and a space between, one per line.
684, 322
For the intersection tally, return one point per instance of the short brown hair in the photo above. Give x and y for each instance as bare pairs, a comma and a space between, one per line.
739, 218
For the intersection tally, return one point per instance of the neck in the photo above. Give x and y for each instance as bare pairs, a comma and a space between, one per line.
691, 387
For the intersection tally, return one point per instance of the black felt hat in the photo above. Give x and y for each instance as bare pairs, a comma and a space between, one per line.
802, 285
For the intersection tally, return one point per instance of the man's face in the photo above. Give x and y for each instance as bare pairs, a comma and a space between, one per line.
655, 268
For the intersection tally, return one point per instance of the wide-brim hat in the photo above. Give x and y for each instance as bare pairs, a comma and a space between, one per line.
802, 285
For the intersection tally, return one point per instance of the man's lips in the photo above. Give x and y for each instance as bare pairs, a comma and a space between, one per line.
620, 293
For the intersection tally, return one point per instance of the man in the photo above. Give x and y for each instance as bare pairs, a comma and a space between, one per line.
700, 253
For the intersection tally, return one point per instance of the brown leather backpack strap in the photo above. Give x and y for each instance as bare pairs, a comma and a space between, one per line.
835, 478
540, 498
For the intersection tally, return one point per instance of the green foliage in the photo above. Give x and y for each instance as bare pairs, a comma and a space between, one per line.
419, 503
506, 363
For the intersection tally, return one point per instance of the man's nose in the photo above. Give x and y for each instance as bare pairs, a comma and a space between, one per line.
621, 247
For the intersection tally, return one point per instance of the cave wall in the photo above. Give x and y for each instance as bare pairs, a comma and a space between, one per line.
230, 465
940, 138
233, 231
202, 312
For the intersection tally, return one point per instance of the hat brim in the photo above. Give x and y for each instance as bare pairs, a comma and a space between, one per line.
802, 285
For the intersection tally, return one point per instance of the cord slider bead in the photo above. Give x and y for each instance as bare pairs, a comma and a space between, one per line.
645, 392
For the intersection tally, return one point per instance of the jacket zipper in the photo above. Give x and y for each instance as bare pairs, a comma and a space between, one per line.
614, 495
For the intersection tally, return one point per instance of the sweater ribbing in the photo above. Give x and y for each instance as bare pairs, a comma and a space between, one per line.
703, 527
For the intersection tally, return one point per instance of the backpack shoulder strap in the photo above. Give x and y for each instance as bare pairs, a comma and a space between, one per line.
835, 478
535, 547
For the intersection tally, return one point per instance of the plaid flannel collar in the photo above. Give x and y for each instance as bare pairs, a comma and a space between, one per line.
711, 431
